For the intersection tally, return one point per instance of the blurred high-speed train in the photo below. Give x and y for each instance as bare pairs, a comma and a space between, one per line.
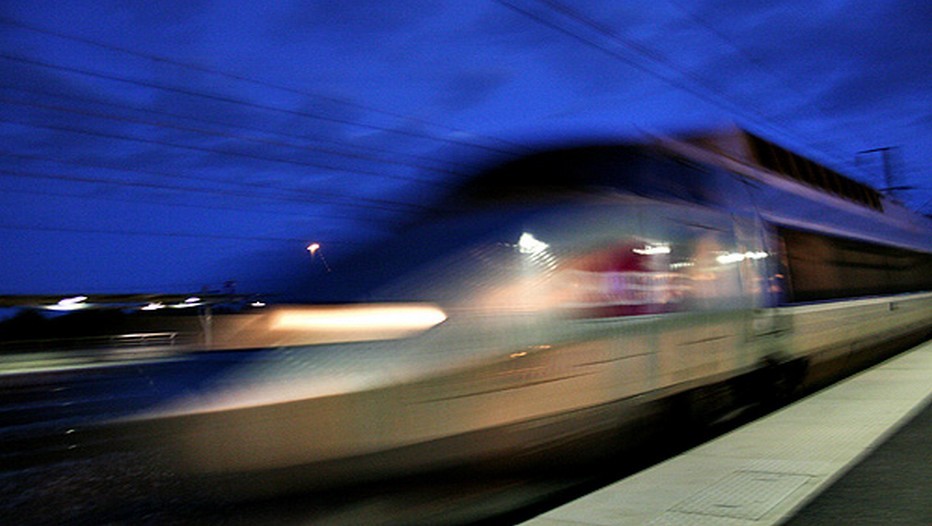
573, 293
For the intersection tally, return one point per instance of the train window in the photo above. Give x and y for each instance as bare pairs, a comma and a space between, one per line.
627, 277
789, 164
590, 267
822, 267
639, 276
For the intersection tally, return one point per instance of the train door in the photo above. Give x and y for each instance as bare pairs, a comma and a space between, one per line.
698, 248
761, 281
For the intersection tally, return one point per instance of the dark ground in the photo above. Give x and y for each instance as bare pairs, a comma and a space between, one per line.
893, 485
107, 485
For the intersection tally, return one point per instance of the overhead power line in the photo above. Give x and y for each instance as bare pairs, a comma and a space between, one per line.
298, 197
243, 78
294, 194
245, 103
355, 150
754, 61
203, 149
556, 16
199, 206
156, 233
243, 138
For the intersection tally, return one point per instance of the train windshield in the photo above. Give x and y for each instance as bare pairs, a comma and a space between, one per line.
612, 227
559, 174
435, 261
629, 257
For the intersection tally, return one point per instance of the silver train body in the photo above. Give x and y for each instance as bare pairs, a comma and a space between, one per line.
588, 287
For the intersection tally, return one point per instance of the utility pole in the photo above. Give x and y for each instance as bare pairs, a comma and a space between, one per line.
887, 172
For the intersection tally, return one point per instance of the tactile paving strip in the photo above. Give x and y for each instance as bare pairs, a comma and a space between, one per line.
742, 495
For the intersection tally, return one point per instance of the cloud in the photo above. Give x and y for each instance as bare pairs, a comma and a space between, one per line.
349, 25
371, 94
466, 89
362, 17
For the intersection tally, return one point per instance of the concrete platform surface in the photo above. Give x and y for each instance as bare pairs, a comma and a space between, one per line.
892, 486
766, 471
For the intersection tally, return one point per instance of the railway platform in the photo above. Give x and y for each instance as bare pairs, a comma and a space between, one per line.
854, 453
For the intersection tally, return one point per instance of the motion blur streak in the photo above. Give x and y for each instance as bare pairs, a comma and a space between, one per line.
404, 318
596, 295
310, 325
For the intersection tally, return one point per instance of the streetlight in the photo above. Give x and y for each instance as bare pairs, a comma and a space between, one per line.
312, 249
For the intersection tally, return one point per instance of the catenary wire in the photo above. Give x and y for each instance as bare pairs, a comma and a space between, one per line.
211, 191
298, 195
199, 206
695, 86
356, 150
245, 103
203, 149
258, 140
754, 61
243, 78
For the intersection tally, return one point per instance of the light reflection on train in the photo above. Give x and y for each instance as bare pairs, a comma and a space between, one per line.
577, 294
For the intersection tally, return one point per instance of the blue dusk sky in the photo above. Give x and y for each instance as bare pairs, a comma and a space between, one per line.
169, 146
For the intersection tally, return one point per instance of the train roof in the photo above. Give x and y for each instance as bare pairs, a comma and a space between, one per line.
749, 148
794, 191
707, 169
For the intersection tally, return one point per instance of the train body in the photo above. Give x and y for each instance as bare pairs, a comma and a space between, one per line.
568, 294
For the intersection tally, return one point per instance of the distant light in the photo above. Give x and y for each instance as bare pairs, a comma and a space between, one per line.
193, 301
72, 301
528, 244
652, 250
735, 257
153, 306
67, 304
257, 304
313, 248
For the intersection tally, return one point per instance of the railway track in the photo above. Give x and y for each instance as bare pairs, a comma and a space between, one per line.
50, 415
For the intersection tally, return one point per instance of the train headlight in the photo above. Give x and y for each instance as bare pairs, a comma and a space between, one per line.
402, 318
352, 323
321, 324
